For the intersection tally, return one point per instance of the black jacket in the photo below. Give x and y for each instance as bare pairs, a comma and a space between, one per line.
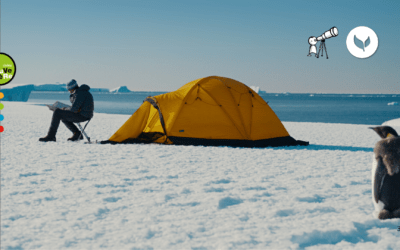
82, 101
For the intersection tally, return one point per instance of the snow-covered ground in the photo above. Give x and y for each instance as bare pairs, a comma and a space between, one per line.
68, 195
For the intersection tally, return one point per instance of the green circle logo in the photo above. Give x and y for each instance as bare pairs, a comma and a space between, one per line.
7, 69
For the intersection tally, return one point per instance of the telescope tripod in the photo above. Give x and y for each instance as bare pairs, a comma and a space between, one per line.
322, 46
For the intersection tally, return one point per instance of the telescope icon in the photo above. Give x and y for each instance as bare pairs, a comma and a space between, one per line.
312, 40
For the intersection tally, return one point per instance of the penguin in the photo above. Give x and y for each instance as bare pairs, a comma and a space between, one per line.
386, 174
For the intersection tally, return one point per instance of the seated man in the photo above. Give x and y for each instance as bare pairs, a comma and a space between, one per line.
81, 110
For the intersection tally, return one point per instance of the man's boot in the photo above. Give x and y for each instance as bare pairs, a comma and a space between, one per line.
51, 135
47, 138
76, 136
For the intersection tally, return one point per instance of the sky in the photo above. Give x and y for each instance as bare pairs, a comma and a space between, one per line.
161, 45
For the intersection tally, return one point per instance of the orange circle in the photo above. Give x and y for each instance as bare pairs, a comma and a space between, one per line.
1, 95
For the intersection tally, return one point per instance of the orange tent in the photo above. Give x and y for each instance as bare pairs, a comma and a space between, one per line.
213, 111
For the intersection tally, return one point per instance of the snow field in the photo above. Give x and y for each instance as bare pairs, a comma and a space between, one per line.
68, 195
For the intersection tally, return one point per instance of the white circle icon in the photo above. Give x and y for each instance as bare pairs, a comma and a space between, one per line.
362, 42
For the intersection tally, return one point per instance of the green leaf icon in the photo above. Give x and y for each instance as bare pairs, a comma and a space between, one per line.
358, 43
367, 42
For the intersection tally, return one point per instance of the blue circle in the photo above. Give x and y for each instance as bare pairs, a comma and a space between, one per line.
1, 117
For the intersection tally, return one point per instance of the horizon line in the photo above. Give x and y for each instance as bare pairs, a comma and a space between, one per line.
286, 92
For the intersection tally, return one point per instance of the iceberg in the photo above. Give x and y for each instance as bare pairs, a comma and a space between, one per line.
50, 87
255, 88
18, 94
121, 89
393, 103
21, 93
99, 90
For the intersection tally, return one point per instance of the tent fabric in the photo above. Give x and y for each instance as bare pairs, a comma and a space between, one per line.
213, 110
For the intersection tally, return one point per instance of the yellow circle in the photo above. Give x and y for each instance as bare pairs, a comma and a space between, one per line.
1, 95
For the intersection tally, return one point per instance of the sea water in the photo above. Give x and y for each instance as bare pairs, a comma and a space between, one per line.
370, 109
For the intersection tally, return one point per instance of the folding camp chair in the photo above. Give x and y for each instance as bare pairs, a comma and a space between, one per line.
83, 130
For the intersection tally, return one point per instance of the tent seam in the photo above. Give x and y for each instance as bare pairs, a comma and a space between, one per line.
230, 118
240, 114
251, 116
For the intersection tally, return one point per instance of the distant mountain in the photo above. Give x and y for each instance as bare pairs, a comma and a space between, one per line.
121, 89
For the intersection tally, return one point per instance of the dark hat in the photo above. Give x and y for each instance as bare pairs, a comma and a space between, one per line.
72, 85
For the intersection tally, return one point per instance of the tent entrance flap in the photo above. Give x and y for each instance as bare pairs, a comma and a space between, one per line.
154, 103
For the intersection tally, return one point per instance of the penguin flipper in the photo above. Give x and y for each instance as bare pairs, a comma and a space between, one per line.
384, 214
380, 174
